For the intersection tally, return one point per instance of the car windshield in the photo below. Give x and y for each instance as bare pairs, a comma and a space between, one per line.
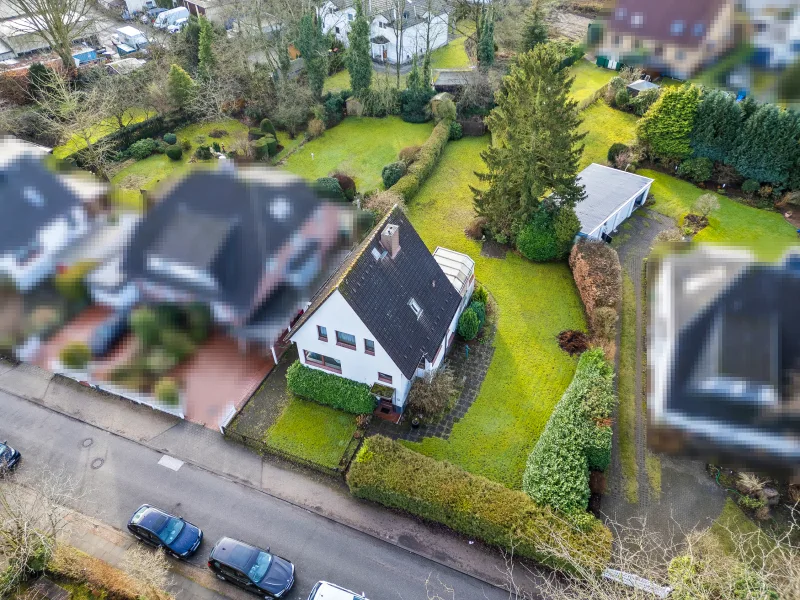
172, 528
4, 449
260, 567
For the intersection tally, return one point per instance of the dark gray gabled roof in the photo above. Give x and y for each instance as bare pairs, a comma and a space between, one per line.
607, 190
31, 197
379, 292
227, 223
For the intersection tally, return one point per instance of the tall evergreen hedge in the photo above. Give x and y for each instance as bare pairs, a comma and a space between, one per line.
327, 388
667, 126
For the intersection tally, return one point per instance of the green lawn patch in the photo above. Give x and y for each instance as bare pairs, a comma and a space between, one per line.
588, 79
337, 82
147, 174
605, 126
288, 144
311, 432
766, 232
528, 373
451, 56
360, 147
102, 129
626, 389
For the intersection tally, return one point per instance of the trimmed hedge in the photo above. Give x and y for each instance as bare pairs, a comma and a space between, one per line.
174, 152
557, 472
267, 127
332, 390
386, 472
265, 146
598, 275
408, 185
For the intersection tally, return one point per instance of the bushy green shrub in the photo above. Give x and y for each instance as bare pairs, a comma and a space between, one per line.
428, 156
75, 355
177, 344
386, 472
216, 146
537, 240
145, 327
267, 127
468, 324
254, 133
615, 150
696, 169
330, 188
622, 98
166, 391
198, 317
480, 295
392, 173
71, 282
186, 145
456, 131
203, 153
265, 146
444, 110
750, 187
598, 448
334, 105
557, 471
159, 362
347, 184
480, 311
329, 389
666, 128
174, 152
142, 149
414, 104
170, 138
643, 101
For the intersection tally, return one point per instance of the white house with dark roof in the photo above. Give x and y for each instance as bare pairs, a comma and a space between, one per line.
422, 22
388, 314
611, 197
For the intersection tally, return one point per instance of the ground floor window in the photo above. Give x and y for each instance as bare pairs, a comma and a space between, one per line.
384, 377
321, 360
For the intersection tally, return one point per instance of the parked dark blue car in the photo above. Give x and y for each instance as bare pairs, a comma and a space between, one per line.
9, 458
253, 569
162, 530
108, 333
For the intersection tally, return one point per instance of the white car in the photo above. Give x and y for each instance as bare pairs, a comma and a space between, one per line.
328, 591
177, 25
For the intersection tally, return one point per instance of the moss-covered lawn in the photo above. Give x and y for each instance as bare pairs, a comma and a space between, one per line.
528, 373
605, 126
147, 174
588, 79
312, 432
359, 147
102, 129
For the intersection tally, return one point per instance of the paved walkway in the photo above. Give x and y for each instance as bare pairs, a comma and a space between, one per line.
689, 497
209, 450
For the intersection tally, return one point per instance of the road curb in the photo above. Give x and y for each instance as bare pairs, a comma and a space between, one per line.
247, 484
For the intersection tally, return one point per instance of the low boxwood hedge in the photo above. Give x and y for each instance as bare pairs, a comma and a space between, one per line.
575, 438
332, 390
408, 185
386, 472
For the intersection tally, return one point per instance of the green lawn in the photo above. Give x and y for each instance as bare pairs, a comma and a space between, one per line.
102, 129
588, 79
147, 174
312, 432
528, 373
626, 413
359, 147
605, 126
288, 144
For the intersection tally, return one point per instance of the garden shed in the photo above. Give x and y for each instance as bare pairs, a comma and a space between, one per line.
642, 85
611, 196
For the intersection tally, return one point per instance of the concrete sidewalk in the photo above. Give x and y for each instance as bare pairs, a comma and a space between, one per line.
208, 450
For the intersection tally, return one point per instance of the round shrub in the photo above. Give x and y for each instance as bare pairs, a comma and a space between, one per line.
750, 187
166, 392
456, 131
480, 295
615, 150
696, 169
159, 362
468, 324
444, 109
177, 344
538, 241
203, 153
409, 154
145, 327
216, 147
143, 148
75, 355
622, 98
480, 311
170, 138
174, 152
265, 146
392, 173
186, 145
347, 184
267, 127
329, 188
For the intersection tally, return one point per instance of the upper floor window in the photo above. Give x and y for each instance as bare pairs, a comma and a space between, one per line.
637, 19
345, 339
699, 29
620, 13
677, 27
349, 16
322, 333
369, 347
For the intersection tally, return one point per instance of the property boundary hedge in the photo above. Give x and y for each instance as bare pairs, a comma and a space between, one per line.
331, 390
429, 153
386, 472
598, 275
574, 439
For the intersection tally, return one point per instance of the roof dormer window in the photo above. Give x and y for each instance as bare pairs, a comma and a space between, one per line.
415, 307
280, 208
677, 27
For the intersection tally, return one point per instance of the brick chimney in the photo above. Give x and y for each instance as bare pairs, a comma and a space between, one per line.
390, 239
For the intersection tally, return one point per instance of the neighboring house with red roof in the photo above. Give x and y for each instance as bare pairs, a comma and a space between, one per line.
675, 37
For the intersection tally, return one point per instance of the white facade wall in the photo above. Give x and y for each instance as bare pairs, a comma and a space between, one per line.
618, 217
53, 239
335, 314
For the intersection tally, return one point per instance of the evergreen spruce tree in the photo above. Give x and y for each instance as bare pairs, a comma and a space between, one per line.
716, 126
414, 81
205, 56
359, 62
426, 69
535, 30
486, 41
537, 145
312, 46
668, 124
768, 146
179, 87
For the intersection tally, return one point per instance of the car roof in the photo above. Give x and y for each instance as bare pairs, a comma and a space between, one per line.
330, 591
153, 519
234, 553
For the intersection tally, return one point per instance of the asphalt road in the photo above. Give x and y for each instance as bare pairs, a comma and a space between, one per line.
130, 476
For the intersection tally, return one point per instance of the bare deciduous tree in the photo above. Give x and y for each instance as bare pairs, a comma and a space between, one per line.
150, 569
32, 519
57, 22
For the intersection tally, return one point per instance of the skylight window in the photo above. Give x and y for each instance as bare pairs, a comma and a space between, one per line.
415, 307
377, 253
280, 208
